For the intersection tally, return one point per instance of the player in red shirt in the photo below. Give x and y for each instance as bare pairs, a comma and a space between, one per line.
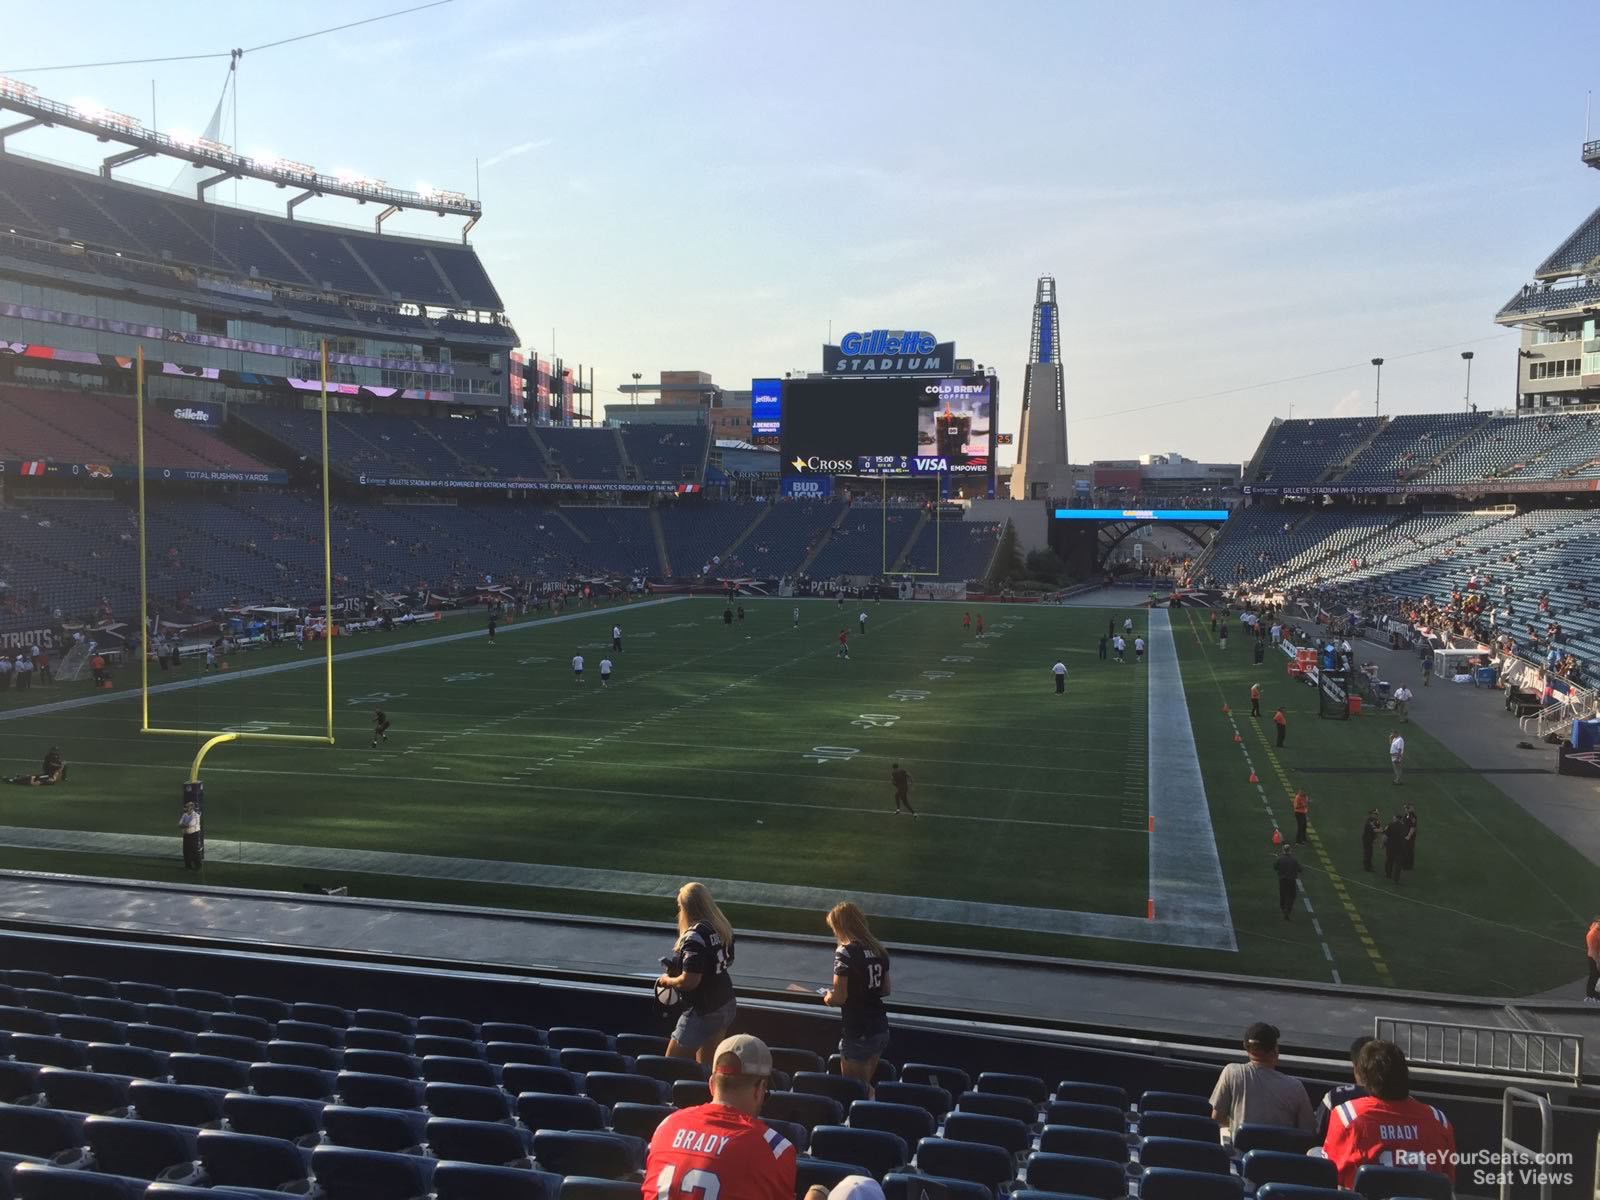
980, 624
1387, 1127
723, 1150
844, 644
966, 621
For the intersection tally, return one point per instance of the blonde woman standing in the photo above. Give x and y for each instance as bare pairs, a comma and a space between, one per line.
699, 973
860, 984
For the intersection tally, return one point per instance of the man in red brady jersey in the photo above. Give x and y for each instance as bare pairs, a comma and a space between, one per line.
722, 1150
1387, 1127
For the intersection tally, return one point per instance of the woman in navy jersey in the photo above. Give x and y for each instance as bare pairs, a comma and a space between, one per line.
860, 983
699, 973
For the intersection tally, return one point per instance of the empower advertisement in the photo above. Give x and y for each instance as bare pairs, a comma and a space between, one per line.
959, 424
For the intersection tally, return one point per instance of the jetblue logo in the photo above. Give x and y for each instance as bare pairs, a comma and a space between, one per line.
887, 341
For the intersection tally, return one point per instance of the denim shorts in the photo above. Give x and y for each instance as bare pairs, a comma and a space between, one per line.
864, 1048
695, 1029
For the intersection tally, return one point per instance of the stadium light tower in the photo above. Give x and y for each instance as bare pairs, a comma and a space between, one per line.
1467, 357
637, 375
1377, 395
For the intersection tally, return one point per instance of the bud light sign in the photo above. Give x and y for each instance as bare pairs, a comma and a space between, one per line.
808, 487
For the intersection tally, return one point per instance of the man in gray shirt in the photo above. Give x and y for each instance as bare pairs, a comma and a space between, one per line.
1256, 1092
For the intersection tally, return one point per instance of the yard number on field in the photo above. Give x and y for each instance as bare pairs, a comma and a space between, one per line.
828, 754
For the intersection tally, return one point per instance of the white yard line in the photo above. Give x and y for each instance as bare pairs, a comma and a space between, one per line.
1185, 873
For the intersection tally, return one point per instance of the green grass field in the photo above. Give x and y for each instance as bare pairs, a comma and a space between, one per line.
752, 754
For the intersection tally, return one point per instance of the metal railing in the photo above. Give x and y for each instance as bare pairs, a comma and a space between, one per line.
1514, 1152
1525, 1052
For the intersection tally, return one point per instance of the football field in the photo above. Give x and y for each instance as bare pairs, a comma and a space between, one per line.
752, 756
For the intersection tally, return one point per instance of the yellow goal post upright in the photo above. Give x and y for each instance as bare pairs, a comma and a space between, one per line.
938, 538
216, 737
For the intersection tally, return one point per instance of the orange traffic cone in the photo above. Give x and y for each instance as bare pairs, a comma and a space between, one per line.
1237, 738
1225, 710
1253, 778
1277, 837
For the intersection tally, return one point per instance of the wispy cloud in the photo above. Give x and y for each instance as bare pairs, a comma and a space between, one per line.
520, 148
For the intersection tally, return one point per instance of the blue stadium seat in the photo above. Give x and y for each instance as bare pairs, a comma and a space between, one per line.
506, 1031
478, 1141
144, 993
1084, 1143
380, 1018
635, 1045
282, 1117
798, 1135
356, 1089
443, 1068
88, 985
686, 1093
1179, 1125
304, 1054
203, 999
93, 1029
1075, 1175
205, 1070
48, 1000
141, 1149
988, 1165
223, 1045
1184, 1155
792, 1060
1295, 1191
998, 1104
279, 1079
875, 1151
345, 1173
1385, 1183
1010, 1134
905, 1185
1272, 1137
1276, 1166
1165, 1183
526, 1053
124, 1012
242, 1160
906, 1121
820, 1083
931, 1099
518, 1077
38, 1132
327, 1015
612, 1087
883, 1073
27, 1020
1036, 1194
264, 1007
582, 1060
456, 1027
1029, 1087
176, 1016
30, 979
83, 1091
466, 1102
473, 1181
668, 1070
585, 1187
17, 1080
392, 1130
356, 1038
810, 1172
1175, 1102
952, 1079
802, 1108
175, 1104
41, 1181
634, 1120
311, 1031
603, 1155
546, 1110
1084, 1115
382, 1062
426, 1044
164, 1038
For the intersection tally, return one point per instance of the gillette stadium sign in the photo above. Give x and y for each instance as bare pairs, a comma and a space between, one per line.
889, 352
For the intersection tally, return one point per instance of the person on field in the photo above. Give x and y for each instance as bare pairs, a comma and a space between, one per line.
1288, 868
1394, 848
1302, 809
1591, 948
1397, 753
1255, 699
1282, 722
1060, 673
901, 778
1370, 829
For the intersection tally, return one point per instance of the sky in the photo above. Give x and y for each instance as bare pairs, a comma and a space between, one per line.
1241, 204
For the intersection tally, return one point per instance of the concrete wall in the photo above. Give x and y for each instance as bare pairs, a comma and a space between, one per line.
1031, 517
